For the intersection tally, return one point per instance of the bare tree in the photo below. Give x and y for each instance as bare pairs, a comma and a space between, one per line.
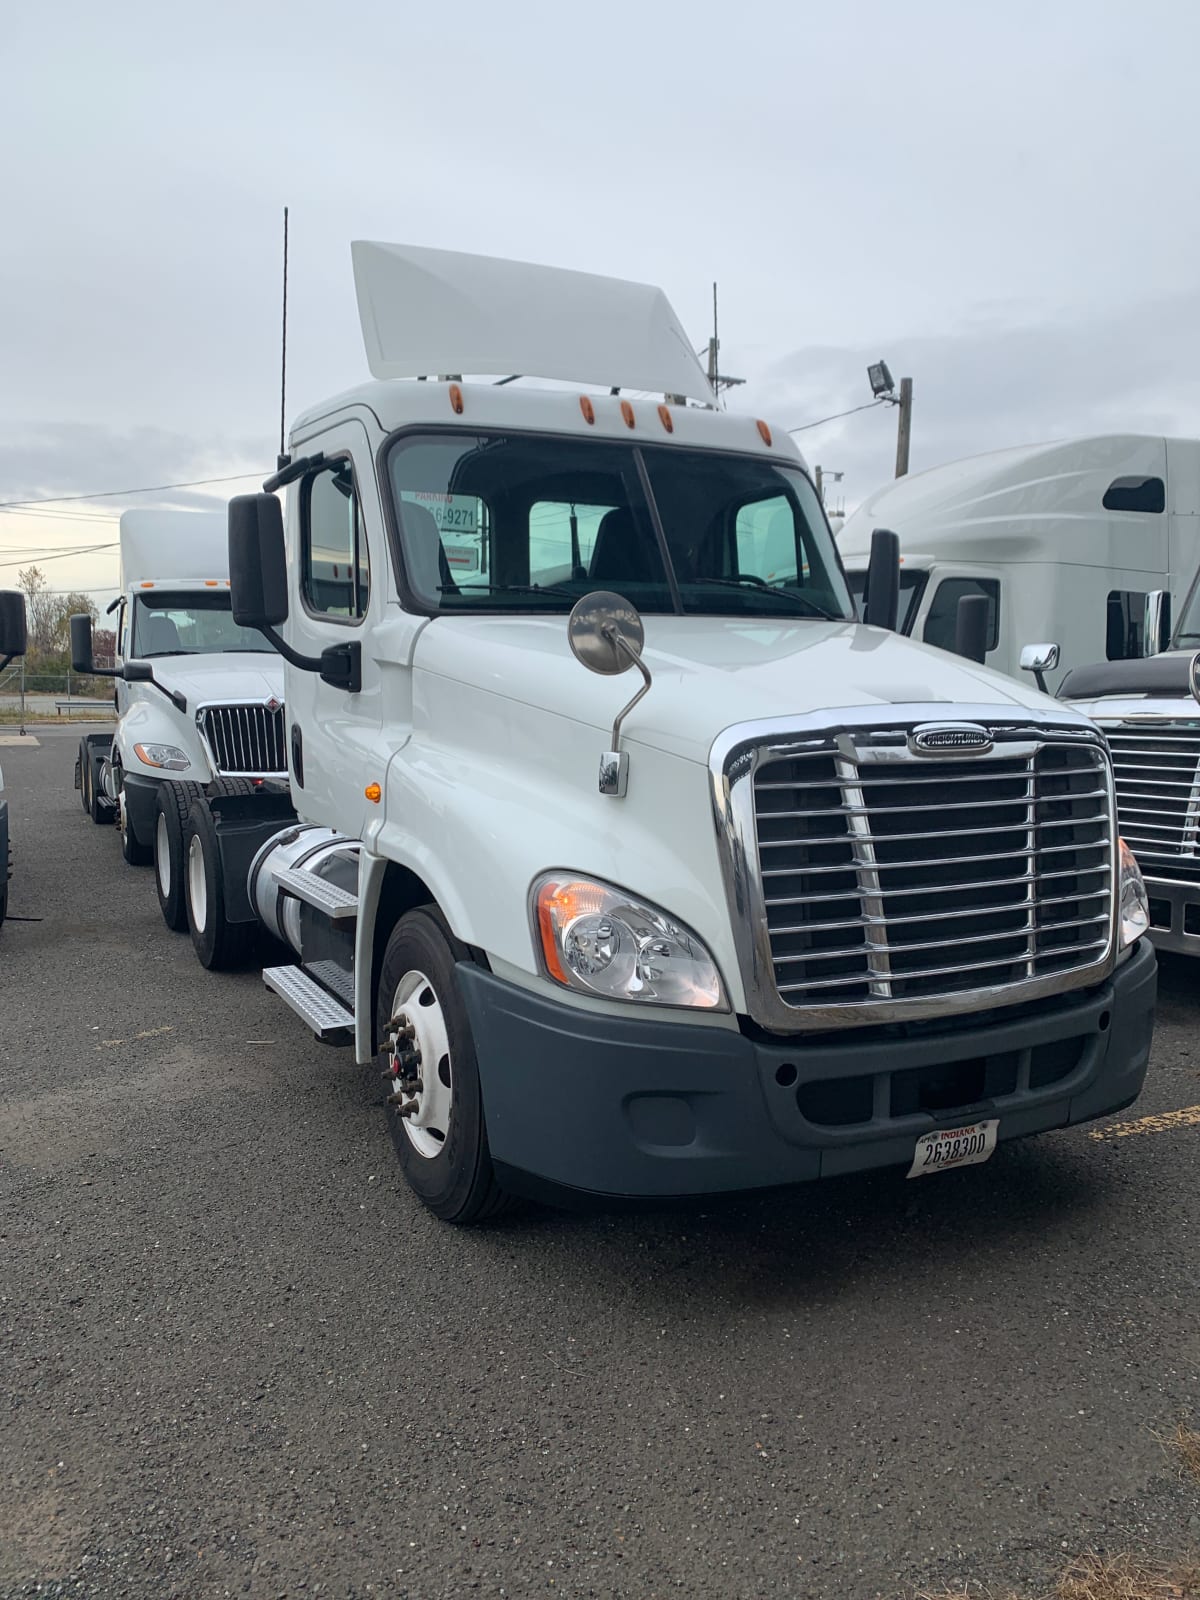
40, 609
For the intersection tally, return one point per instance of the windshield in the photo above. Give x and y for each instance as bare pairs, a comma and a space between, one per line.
1189, 622
492, 522
191, 624
912, 587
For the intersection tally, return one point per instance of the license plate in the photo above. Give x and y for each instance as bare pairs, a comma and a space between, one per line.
954, 1147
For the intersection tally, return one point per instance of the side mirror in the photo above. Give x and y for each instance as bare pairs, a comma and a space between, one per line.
1039, 659
1194, 676
257, 561
971, 627
607, 636
82, 659
13, 637
882, 607
1156, 627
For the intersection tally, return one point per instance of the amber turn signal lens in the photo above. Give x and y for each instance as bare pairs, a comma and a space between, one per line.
764, 433
588, 409
373, 793
665, 417
456, 399
627, 413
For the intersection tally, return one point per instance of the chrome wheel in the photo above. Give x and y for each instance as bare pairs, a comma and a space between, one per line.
162, 856
197, 884
418, 1053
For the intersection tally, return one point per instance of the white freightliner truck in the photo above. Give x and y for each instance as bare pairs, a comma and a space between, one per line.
1067, 541
199, 699
795, 896
12, 644
1148, 710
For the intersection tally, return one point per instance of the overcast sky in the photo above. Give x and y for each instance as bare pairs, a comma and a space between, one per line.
1000, 200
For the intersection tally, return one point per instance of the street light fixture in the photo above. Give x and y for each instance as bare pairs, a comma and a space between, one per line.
880, 379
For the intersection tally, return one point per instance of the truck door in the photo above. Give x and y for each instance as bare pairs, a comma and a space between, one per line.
338, 581
937, 618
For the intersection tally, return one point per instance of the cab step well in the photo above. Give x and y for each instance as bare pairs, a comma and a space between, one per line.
337, 904
322, 1012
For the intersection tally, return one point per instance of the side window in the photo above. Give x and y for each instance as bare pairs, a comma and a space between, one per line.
942, 621
1125, 625
1135, 494
562, 539
335, 571
767, 547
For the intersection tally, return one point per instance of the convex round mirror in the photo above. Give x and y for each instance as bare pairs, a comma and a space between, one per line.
596, 628
1194, 676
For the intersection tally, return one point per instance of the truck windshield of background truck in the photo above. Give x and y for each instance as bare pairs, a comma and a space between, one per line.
196, 623
912, 587
1189, 621
525, 522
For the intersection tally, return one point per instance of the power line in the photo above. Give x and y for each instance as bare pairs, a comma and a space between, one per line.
838, 415
61, 555
116, 494
64, 516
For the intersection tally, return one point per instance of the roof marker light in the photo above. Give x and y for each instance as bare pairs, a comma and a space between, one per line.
211, 583
588, 409
456, 399
627, 413
665, 417
764, 432
148, 583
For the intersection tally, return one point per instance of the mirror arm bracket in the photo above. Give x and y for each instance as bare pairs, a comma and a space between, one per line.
340, 665
621, 643
305, 663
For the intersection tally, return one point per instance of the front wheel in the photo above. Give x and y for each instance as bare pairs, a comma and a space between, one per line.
219, 943
170, 820
135, 853
435, 1107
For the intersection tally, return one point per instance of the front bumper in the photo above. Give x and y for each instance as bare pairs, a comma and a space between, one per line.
1175, 915
654, 1108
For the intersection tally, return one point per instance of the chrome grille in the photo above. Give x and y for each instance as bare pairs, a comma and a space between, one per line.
1157, 771
891, 882
244, 741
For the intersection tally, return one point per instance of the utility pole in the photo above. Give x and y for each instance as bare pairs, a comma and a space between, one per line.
904, 426
819, 484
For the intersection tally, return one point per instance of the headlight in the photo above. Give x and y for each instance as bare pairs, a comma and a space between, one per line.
169, 756
1134, 902
601, 941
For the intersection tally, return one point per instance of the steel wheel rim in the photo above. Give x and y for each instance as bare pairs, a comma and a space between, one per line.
416, 1001
162, 855
197, 884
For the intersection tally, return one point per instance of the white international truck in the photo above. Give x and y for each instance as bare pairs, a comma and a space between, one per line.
199, 699
629, 858
12, 644
1066, 540
1148, 711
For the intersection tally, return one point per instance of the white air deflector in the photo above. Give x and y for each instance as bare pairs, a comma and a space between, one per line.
430, 312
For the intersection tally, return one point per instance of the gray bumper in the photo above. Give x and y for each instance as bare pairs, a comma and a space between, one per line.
652, 1107
141, 805
1175, 915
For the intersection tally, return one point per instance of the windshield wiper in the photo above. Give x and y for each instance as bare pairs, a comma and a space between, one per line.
507, 588
742, 585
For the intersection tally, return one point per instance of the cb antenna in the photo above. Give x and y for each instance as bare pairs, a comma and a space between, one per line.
283, 459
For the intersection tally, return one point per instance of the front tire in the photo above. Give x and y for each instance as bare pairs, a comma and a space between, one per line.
135, 854
170, 822
218, 943
442, 1146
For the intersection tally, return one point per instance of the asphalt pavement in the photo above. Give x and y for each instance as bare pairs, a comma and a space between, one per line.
237, 1357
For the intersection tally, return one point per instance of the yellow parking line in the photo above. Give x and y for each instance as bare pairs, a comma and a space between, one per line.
1160, 1124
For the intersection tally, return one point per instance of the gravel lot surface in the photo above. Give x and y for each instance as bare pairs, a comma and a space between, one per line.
237, 1358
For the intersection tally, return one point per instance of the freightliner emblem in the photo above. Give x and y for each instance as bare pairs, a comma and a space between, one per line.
949, 739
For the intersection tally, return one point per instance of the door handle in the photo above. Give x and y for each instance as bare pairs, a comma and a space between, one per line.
297, 755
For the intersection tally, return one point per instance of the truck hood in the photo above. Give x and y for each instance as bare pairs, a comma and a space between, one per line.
235, 677
712, 672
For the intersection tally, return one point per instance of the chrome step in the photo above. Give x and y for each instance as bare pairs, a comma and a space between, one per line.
323, 1014
337, 904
